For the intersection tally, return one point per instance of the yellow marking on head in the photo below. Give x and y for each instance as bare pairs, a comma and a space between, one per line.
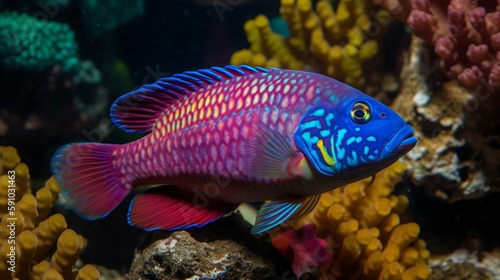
328, 159
176, 114
207, 101
221, 97
214, 99
200, 104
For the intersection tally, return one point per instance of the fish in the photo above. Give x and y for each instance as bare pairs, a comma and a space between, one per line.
222, 136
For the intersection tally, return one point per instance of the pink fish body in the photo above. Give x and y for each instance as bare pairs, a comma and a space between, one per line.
224, 136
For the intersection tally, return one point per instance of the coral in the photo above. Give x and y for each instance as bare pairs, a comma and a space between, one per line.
35, 45
457, 156
27, 43
303, 247
465, 36
361, 222
337, 43
27, 233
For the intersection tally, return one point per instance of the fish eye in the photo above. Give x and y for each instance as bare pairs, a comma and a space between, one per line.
361, 113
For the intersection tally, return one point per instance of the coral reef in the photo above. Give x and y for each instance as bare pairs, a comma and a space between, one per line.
180, 256
361, 223
27, 233
35, 45
465, 36
457, 154
44, 79
30, 44
335, 42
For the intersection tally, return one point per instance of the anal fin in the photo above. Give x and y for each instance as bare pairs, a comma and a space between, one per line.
154, 211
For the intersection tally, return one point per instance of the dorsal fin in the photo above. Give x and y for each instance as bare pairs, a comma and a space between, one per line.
138, 110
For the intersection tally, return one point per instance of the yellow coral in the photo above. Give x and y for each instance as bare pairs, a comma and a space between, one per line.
27, 235
363, 218
9, 158
323, 40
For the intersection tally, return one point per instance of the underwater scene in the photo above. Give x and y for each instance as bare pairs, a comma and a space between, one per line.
249, 139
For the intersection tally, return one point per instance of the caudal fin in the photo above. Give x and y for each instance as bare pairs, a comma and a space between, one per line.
89, 182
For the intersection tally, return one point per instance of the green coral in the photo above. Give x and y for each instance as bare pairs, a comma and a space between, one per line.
30, 44
27, 43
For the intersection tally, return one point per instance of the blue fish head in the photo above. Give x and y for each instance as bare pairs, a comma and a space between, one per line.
353, 138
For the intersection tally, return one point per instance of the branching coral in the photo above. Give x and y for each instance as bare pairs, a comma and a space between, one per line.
361, 223
465, 35
27, 233
337, 43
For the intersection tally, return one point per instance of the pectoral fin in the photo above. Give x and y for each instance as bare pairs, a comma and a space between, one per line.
273, 213
270, 153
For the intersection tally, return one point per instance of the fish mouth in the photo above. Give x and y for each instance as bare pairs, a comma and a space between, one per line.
400, 144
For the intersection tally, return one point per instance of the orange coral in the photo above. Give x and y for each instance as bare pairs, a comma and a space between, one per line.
26, 234
362, 219
330, 41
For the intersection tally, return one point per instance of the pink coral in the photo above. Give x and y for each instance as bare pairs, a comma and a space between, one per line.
465, 35
306, 252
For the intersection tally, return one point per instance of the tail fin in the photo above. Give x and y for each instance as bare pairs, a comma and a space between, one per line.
89, 182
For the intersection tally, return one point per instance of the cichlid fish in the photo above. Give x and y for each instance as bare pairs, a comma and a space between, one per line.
223, 136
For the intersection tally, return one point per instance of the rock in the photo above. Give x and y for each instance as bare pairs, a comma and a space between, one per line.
222, 250
457, 154
465, 264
